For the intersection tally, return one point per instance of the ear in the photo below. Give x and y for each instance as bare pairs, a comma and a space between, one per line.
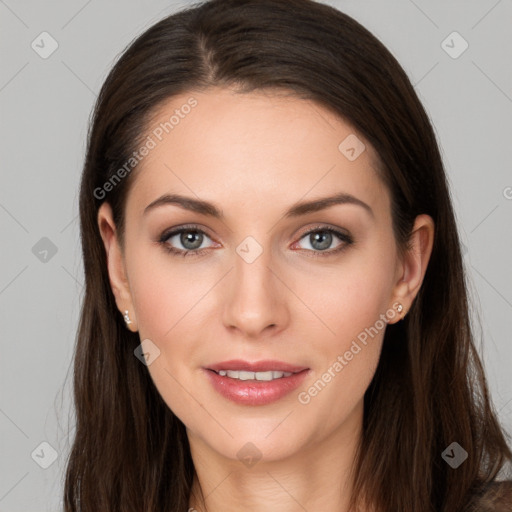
116, 264
411, 269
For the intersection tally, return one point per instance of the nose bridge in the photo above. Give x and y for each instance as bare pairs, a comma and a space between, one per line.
255, 300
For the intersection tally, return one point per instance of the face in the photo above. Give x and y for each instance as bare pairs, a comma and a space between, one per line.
313, 288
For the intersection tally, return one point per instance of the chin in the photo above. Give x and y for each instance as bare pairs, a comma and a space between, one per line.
271, 439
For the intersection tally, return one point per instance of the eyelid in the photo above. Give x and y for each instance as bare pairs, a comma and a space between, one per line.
185, 227
324, 227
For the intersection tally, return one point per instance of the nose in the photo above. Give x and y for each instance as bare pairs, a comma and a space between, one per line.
255, 301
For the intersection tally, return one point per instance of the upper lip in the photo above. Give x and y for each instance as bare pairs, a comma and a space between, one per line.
257, 366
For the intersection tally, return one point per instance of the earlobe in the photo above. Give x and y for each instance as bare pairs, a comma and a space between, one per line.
116, 265
415, 262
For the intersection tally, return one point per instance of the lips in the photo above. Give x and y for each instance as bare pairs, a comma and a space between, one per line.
255, 392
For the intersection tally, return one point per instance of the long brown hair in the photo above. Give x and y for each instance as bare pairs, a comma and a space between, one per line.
130, 452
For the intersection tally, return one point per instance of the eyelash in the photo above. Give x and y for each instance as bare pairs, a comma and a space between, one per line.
199, 252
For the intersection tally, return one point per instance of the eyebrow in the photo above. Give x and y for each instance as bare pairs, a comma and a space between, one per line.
297, 210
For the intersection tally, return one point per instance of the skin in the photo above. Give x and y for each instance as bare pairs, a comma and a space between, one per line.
255, 155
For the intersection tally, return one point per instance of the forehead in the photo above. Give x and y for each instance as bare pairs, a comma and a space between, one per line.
253, 150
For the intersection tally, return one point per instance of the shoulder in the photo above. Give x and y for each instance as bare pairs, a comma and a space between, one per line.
497, 497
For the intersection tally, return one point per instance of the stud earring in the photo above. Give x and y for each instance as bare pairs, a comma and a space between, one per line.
127, 318
400, 308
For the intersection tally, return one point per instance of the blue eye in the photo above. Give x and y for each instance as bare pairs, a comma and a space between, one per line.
192, 238
320, 238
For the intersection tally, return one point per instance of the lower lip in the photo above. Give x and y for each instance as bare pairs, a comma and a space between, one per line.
252, 392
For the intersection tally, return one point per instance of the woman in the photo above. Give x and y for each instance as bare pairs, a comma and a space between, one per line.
312, 350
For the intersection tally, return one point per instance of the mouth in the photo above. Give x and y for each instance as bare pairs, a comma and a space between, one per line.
267, 376
255, 383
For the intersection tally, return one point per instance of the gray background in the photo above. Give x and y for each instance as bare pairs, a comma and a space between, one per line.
45, 106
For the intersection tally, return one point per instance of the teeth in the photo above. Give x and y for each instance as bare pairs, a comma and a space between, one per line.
244, 375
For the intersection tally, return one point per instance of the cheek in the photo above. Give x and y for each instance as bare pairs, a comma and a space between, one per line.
355, 311
346, 361
351, 296
163, 293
